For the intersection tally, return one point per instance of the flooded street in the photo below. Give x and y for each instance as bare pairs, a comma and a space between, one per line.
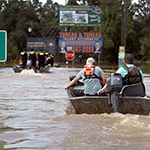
36, 114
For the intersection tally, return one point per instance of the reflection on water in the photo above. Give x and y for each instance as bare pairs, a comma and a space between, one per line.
35, 113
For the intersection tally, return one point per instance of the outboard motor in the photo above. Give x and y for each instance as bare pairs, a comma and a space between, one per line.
114, 86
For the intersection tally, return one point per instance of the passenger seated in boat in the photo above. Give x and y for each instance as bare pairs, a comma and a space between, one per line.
49, 61
91, 76
129, 72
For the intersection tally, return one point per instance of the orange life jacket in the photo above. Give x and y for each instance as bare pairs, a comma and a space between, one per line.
89, 71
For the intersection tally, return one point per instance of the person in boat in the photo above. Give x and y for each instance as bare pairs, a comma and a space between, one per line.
91, 76
46, 53
130, 73
41, 59
52, 60
48, 62
23, 57
49, 59
33, 58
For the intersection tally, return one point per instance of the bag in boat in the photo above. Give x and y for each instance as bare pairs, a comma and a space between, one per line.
133, 76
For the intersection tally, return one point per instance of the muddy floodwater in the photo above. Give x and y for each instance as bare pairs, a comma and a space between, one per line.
36, 114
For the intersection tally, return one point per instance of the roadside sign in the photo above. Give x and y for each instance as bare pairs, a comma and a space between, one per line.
121, 55
3, 46
70, 55
75, 15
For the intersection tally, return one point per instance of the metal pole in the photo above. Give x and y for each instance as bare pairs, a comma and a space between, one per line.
125, 15
66, 63
73, 63
99, 59
123, 23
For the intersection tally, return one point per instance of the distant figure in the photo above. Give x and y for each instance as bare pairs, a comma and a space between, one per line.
63, 47
41, 58
23, 57
97, 48
49, 61
33, 58
46, 53
52, 60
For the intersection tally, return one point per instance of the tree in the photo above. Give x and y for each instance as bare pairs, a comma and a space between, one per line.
17, 16
142, 29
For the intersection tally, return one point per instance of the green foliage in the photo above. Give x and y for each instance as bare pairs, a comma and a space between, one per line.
12, 52
17, 16
141, 29
145, 48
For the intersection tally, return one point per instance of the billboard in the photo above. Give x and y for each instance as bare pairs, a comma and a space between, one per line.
80, 42
80, 15
46, 44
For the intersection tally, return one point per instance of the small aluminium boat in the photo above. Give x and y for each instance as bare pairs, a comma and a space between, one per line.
130, 99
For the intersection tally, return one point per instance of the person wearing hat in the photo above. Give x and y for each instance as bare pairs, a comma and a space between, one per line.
91, 76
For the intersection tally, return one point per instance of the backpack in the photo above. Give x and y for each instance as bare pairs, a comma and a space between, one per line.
88, 72
133, 76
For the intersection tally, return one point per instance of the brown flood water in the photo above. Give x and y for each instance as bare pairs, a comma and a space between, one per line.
35, 114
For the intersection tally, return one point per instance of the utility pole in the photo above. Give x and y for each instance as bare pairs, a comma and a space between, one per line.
122, 48
123, 22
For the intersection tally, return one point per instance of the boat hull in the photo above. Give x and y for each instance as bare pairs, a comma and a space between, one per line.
130, 99
17, 68
99, 104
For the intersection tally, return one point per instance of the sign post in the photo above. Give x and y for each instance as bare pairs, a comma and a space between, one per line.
70, 55
3, 46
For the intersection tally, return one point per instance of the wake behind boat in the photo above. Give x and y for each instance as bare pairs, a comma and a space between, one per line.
19, 69
128, 99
